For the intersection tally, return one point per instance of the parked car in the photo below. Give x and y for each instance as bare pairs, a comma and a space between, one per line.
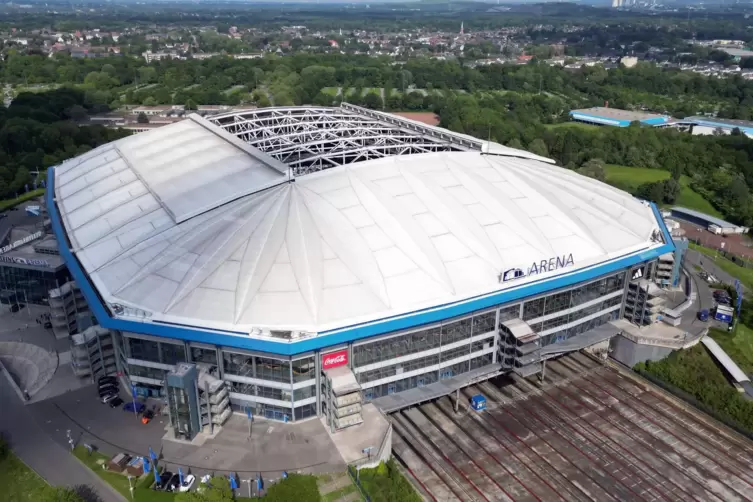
173, 483
116, 402
48, 325
130, 405
106, 391
106, 388
164, 479
109, 397
703, 315
104, 380
147, 417
17, 306
188, 482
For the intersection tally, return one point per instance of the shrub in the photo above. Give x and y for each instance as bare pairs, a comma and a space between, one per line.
297, 487
385, 484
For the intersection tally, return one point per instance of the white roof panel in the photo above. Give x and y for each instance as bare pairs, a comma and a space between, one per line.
346, 245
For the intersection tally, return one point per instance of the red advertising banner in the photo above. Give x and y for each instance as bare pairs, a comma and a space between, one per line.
334, 359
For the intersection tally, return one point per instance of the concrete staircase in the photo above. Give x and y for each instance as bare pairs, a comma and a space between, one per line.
30, 366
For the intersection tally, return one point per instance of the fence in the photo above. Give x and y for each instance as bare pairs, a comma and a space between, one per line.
736, 259
353, 473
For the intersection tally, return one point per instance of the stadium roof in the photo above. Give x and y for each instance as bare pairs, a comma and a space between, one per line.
183, 225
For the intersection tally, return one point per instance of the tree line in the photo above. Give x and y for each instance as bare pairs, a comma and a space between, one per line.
38, 131
300, 78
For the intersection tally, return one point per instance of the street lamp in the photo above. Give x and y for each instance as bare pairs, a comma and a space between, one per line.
130, 486
70, 439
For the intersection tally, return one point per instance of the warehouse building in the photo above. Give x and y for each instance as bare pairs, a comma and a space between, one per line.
601, 115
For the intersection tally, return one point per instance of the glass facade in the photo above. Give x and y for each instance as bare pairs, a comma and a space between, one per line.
275, 371
437, 350
19, 285
390, 363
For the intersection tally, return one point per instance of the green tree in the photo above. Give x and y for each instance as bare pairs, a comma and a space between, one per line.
191, 104
515, 143
142, 118
150, 101
593, 168
538, 147
373, 101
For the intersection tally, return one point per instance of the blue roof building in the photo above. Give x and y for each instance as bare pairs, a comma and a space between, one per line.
601, 115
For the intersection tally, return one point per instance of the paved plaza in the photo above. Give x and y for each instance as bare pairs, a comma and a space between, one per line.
274, 446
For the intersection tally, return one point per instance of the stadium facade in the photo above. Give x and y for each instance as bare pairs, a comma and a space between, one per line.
278, 246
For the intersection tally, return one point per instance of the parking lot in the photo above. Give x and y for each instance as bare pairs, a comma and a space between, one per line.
586, 433
274, 447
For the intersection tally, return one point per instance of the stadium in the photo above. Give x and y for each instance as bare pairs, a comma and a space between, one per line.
280, 246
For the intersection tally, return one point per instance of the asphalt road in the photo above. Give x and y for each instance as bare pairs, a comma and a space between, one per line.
48, 458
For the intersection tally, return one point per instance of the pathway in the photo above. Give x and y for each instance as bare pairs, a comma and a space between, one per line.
46, 457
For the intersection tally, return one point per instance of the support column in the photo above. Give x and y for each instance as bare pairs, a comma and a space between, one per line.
457, 400
209, 407
318, 372
543, 370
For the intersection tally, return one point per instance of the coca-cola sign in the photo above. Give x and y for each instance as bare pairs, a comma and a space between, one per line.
334, 359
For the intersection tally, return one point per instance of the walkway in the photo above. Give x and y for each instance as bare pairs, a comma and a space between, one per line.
49, 459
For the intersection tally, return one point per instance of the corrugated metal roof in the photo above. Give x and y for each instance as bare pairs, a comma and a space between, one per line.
707, 217
733, 369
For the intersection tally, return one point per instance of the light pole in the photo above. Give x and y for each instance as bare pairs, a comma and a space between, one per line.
130, 486
249, 485
70, 439
250, 416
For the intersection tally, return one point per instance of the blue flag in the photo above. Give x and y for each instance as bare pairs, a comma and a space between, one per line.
259, 484
233, 482
156, 475
180, 475
152, 454
145, 463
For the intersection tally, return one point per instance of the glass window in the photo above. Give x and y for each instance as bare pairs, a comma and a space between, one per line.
238, 364
304, 369
272, 393
272, 369
146, 350
304, 393
173, 354
200, 355
456, 331
306, 411
396, 346
243, 388
484, 323
557, 302
509, 312
143, 371
533, 309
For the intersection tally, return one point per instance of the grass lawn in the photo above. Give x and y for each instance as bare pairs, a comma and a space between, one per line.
95, 461
694, 371
743, 274
630, 178
385, 483
9, 203
19, 483
738, 345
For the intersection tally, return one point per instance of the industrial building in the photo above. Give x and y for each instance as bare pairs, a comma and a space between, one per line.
601, 115
317, 259
711, 125
711, 223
